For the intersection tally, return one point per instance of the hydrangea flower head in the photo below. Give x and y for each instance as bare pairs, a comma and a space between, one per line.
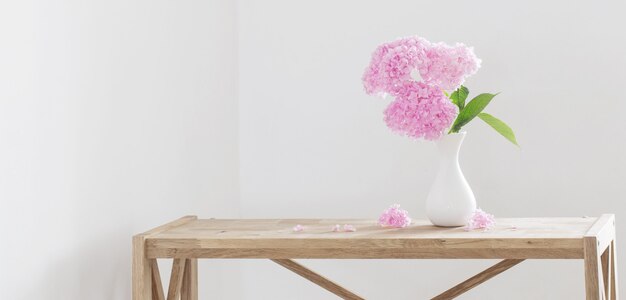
437, 63
392, 64
449, 66
420, 111
394, 216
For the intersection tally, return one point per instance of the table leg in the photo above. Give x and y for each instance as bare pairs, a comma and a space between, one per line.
609, 272
176, 279
605, 260
190, 280
157, 286
613, 276
594, 281
142, 270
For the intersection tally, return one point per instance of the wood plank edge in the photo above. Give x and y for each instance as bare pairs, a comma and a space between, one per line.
170, 225
281, 253
603, 230
600, 223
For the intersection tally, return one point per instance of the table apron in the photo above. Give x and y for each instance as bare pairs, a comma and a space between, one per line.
355, 253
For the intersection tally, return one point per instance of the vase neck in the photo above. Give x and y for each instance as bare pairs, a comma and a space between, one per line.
450, 144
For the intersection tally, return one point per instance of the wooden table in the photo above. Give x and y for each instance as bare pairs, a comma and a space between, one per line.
512, 240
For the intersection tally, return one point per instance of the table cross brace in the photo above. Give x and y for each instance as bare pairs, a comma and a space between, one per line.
183, 280
317, 279
449, 294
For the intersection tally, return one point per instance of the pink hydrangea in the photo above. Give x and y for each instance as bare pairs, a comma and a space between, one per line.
392, 64
449, 66
438, 64
420, 111
481, 220
394, 217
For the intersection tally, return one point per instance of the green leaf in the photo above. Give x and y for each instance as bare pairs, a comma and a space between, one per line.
499, 126
471, 110
458, 97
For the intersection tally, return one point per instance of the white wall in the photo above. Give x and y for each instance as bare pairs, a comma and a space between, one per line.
312, 144
115, 116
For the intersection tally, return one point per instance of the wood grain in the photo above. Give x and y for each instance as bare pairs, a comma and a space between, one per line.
614, 281
157, 285
597, 242
317, 279
511, 238
176, 279
141, 270
603, 229
605, 260
593, 270
171, 225
368, 253
478, 279
263, 229
190, 280
189, 238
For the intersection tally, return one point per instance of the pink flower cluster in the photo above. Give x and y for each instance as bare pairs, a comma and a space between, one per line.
481, 220
392, 64
415, 113
420, 111
438, 64
449, 66
394, 217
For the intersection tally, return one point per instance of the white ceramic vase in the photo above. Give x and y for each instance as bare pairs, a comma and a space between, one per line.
450, 202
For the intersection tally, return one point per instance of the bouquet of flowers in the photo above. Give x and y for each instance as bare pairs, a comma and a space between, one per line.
426, 81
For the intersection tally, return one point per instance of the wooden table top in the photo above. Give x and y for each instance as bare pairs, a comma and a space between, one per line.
275, 238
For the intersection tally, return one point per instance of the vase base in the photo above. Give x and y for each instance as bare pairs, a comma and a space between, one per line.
448, 226
449, 223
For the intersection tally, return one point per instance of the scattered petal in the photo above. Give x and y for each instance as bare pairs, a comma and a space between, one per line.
349, 228
394, 217
481, 220
298, 228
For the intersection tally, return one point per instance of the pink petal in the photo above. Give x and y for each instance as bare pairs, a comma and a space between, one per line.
481, 220
394, 217
349, 228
